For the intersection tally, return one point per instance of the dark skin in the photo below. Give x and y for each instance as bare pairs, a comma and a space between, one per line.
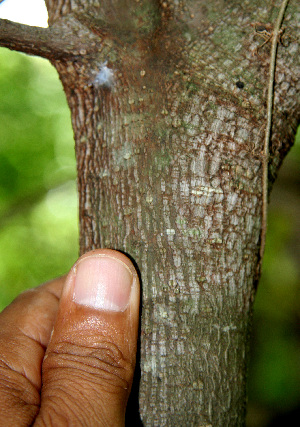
63, 362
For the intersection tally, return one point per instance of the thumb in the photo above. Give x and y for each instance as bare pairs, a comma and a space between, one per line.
89, 363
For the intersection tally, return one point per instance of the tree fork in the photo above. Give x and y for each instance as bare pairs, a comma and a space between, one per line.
54, 43
169, 156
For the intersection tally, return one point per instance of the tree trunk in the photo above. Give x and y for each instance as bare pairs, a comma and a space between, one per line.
170, 105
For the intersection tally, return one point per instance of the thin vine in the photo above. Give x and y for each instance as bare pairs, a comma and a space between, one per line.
270, 100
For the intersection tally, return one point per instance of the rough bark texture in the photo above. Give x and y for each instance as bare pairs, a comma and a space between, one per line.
169, 118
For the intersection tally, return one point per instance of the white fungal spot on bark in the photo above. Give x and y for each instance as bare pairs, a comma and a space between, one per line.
149, 198
205, 191
170, 231
105, 76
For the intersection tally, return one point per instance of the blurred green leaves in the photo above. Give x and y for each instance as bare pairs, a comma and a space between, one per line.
274, 374
38, 201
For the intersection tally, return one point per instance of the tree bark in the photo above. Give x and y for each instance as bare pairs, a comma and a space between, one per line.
169, 107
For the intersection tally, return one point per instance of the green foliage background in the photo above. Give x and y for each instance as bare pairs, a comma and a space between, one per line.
39, 229
38, 202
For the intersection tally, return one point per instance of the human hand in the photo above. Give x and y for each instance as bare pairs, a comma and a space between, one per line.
68, 348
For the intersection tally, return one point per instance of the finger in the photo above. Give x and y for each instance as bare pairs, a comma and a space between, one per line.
89, 363
25, 328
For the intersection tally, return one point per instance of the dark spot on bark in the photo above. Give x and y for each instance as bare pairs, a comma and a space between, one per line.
240, 84
260, 28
